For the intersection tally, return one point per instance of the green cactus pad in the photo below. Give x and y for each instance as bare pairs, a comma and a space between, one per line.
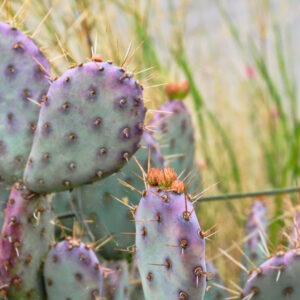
175, 134
88, 128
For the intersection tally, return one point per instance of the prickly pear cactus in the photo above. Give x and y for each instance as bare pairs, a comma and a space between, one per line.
107, 216
72, 271
26, 234
175, 134
255, 244
23, 77
116, 281
170, 251
213, 292
88, 128
276, 279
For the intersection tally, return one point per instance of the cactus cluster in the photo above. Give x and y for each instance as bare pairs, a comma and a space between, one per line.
74, 151
57, 135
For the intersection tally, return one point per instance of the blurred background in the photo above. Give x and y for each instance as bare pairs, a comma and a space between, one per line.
241, 58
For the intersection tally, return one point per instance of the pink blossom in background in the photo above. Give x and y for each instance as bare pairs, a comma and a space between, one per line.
274, 112
250, 71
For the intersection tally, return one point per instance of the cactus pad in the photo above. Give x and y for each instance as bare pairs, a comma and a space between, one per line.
276, 279
170, 249
23, 75
72, 271
91, 123
175, 134
26, 235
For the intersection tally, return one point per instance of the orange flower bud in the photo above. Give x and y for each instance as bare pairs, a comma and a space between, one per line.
153, 176
178, 187
177, 90
167, 177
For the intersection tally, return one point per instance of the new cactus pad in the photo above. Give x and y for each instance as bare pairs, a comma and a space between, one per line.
170, 250
107, 216
72, 271
23, 77
89, 126
26, 235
